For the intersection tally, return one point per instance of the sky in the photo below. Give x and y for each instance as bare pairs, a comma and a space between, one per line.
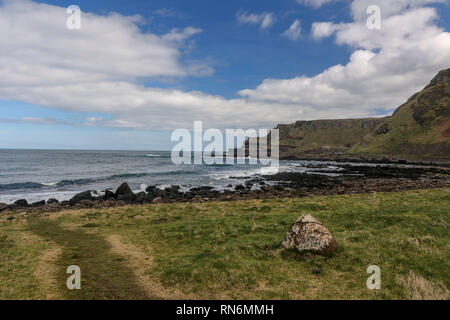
137, 70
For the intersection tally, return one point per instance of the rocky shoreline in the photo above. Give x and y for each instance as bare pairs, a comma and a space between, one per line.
346, 179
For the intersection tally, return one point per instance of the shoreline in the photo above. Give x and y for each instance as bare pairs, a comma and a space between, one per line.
348, 158
351, 180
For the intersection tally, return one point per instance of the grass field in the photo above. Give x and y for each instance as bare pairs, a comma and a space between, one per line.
219, 250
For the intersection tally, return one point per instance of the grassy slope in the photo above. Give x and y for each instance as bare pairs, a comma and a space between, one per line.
418, 129
231, 249
322, 136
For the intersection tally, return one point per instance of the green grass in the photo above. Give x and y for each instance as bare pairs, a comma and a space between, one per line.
232, 249
98, 265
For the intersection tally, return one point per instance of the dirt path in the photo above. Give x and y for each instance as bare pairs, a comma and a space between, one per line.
142, 263
104, 273
46, 271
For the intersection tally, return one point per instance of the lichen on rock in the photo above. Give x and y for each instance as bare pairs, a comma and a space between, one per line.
307, 234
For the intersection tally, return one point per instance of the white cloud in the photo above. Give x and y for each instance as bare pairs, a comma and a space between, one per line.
102, 67
264, 20
386, 67
314, 3
294, 32
176, 35
321, 30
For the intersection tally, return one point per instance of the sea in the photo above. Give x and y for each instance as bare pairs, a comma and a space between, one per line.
37, 175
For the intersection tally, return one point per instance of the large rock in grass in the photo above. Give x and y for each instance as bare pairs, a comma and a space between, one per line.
307, 234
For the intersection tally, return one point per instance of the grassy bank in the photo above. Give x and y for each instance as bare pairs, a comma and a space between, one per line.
232, 250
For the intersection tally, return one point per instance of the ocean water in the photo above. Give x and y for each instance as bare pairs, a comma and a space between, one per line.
41, 174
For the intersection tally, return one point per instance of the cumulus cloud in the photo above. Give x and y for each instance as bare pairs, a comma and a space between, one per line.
386, 67
264, 20
102, 69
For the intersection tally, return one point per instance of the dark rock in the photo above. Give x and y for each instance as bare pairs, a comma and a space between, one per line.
86, 195
3, 206
38, 204
172, 191
150, 189
141, 197
52, 200
189, 195
130, 197
159, 193
201, 189
109, 194
124, 190
11, 218
239, 187
21, 203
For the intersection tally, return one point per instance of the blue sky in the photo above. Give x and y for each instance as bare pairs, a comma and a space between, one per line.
253, 75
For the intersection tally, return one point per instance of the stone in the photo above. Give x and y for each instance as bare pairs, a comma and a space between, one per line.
86, 195
159, 193
126, 197
38, 204
21, 203
124, 188
157, 200
3, 206
307, 234
189, 195
124, 193
141, 197
109, 195
52, 200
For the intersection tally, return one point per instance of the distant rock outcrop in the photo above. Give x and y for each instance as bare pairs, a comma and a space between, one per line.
307, 234
419, 130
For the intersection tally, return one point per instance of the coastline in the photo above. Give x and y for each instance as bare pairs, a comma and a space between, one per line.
351, 180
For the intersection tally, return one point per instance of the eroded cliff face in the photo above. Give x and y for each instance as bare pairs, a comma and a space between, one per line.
324, 137
418, 130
